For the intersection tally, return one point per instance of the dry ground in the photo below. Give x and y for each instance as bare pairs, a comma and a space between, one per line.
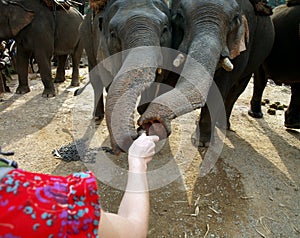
253, 190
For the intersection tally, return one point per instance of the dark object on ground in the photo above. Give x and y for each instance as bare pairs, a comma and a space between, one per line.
67, 153
271, 111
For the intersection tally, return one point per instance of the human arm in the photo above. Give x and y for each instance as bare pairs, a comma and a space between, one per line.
133, 215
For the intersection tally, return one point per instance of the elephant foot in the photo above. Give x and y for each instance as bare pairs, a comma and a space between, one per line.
98, 120
255, 114
48, 93
99, 112
75, 84
59, 80
203, 144
292, 121
255, 110
204, 141
22, 90
199, 139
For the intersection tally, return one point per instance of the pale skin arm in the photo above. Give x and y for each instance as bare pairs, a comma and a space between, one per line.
133, 216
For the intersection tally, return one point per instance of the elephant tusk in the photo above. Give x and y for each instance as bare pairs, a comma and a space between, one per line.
226, 64
159, 71
178, 60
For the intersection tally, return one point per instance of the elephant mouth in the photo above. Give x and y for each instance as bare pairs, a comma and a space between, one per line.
155, 126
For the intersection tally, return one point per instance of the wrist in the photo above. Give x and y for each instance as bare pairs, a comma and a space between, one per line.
138, 166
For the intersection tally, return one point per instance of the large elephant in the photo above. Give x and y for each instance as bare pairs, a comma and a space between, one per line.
126, 25
282, 65
229, 40
43, 33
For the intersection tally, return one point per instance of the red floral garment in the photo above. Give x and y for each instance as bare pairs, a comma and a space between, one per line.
40, 205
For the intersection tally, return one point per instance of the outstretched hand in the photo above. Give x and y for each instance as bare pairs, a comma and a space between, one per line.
141, 152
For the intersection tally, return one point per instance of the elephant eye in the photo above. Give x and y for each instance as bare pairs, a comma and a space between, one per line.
235, 22
237, 19
165, 29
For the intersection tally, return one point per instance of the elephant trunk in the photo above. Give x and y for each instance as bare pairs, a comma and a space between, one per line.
136, 74
192, 88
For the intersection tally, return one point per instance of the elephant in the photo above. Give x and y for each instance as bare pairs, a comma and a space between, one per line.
124, 26
229, 41
90, 35
42, 32
282, 64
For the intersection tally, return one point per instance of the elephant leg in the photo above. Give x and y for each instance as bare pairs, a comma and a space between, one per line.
99, 108
260, 82
76, 57
232, 97
205, 127
75, 70
2, 88
44, 64
292, 114
22, 60
214, 109
60, 71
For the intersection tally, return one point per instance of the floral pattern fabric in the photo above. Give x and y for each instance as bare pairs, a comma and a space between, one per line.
40, 205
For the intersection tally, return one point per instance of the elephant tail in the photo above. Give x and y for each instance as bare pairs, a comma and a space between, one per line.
80, 90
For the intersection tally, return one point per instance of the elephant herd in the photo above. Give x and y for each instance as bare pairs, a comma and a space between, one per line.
178, 57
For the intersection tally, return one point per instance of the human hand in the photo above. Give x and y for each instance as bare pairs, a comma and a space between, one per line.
141, 152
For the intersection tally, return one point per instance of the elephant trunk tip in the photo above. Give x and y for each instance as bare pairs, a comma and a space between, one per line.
155, 126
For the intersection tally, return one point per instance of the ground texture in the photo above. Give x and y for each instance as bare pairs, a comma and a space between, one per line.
252, 191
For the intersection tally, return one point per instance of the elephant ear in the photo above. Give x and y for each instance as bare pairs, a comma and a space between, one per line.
240, 40
19, 17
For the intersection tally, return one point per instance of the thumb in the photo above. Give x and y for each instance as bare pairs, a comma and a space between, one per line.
143, 134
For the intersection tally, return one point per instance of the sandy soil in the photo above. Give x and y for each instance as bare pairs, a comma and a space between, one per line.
252, 191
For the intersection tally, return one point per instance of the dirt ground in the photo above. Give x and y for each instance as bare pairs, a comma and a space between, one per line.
253, 190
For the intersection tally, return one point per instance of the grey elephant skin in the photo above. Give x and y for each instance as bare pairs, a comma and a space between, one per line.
91, 36
282, 65
126, 27
42, 33
229, 41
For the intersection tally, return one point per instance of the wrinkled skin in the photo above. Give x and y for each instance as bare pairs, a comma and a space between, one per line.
128, 25
209, 31
90, 34
33, 30
282, 65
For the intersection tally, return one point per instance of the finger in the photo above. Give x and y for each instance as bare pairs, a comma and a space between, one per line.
143, 134
154, 138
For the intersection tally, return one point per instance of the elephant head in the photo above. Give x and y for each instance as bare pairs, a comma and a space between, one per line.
14, 17
128, 26
211, 33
